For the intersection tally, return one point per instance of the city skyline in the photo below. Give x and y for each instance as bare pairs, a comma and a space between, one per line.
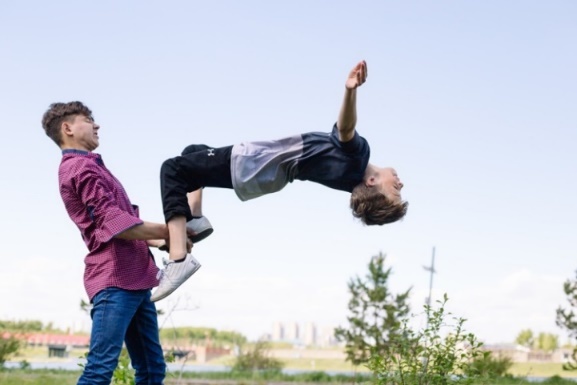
305, 333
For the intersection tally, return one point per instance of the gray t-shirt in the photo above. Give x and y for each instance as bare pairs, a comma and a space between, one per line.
264, 167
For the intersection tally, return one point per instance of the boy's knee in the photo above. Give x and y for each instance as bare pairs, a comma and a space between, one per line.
168, 167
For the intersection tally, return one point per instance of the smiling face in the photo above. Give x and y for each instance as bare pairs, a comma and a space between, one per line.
386, 181
80, 132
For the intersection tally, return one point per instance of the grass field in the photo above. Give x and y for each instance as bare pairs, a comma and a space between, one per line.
317, 364
525, 369
54, 377
51, 377
532, 369
11, 377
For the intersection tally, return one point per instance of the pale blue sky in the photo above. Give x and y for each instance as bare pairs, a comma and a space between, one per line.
474, 104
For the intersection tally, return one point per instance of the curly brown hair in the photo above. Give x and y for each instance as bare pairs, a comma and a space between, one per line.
62, 112
374, 208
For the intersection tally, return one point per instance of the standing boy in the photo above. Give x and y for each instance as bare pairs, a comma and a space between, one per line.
119, 268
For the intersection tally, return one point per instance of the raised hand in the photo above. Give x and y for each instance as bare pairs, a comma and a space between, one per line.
357, 76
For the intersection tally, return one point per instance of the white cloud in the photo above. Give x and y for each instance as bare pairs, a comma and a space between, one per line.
43, 289
522, 300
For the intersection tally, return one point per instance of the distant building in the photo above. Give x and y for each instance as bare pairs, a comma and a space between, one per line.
518, 353
45, 339
563, 355
278, 332
58, 344
310, 334
292, 333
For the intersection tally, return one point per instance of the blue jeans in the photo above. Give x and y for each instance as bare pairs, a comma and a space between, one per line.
124, 316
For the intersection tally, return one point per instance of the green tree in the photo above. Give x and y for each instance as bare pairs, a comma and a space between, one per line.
525, 338
11, 335
376, 314
566, 318
200, 335
9, 345
547, 341
22, 326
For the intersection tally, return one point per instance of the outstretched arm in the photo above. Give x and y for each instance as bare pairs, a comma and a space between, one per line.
348, 114
145, 231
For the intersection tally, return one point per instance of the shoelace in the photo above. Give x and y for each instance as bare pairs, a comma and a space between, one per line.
160, 273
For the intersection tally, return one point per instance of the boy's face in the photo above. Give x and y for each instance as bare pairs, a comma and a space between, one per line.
388, 183
81, 133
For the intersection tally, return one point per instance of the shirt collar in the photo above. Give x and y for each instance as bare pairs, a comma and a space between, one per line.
74, 151
71, 152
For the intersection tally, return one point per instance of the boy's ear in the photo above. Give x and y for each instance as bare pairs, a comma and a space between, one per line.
371, 181
65, 128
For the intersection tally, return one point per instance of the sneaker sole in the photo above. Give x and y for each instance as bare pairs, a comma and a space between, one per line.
156, 299
200, 236
194, 239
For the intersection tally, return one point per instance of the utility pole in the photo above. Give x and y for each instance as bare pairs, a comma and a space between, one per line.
432, 270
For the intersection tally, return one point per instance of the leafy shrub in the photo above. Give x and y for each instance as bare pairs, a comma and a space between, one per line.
558, 380
488, 366
257, 359
8, 347
429, 356
123, 374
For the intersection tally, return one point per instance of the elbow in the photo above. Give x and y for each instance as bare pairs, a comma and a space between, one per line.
347, 125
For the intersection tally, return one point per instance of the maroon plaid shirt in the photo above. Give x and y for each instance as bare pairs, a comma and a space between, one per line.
97, 203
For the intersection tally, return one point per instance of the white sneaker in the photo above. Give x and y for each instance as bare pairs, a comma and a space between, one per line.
174, 275
201, 226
